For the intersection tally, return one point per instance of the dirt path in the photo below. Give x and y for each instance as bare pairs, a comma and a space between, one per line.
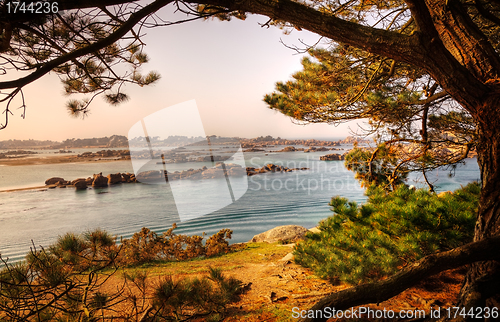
275, 285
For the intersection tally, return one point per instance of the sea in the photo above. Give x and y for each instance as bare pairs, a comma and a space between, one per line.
36, 217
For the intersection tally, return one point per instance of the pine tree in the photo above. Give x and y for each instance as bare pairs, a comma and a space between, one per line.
391, 230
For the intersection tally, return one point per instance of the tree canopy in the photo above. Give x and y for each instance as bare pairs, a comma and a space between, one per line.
421, 70
420, 126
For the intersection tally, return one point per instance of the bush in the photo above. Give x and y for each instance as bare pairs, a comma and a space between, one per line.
209, 296
147, 246
362, 243
61, 282
66, 281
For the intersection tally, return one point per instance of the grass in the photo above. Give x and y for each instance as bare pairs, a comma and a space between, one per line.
249, 253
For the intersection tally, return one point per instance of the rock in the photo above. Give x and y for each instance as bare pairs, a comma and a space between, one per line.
212, 173
114, 178
76, 180
288, 149
288, 232
332, 157
54, 180
253, 150
288, 258
99, 181
80, 184
275, 298
62, 183
151, 176
236, 171
270, 167
315, 230
126, 177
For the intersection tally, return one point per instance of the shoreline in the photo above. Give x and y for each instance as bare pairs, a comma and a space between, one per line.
54, 160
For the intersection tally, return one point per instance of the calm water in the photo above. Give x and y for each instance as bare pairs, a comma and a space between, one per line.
271, 200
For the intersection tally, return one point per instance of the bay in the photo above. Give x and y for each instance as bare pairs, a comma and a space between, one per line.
38, 217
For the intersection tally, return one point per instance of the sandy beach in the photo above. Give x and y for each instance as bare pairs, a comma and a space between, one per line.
53, 160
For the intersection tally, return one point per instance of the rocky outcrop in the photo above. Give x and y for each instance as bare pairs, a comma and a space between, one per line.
268, 141
80, 184
115, 154
252, 149
332, 157
127, 177
290, 149
271, 168
289, 233
353, 140
15, 154
156, 176
54, 180
315, 149
99, 181
114, 178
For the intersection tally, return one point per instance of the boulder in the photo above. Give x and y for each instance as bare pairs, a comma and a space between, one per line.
80, 184
76, 180
212, 173
270, 167
288, 233
126, 177
236, 171
288, 149
332, 157
54, 180
151, 176
62, 183
114, 178
99, 181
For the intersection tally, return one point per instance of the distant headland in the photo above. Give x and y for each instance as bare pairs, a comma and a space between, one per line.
120, 141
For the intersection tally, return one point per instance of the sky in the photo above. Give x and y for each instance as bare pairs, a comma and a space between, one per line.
226, 67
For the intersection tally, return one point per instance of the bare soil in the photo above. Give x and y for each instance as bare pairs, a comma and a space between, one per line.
275, 286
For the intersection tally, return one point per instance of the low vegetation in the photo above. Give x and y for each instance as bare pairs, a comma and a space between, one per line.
389, 231
70, 280
147, 246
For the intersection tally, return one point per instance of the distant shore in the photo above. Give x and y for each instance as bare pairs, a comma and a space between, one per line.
27, 188
33, 160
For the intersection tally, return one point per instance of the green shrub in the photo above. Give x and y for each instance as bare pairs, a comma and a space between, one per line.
177, 300
362, 243
65, 281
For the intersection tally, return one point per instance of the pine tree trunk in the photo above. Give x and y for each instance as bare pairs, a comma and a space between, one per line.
482, 285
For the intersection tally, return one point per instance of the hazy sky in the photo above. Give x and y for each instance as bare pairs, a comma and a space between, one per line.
227, 67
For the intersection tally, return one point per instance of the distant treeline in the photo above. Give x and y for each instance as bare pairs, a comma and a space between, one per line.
114, 141
120, 141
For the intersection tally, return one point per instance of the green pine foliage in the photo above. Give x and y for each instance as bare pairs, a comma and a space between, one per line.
391, 230
382, 174
67, 280
209, 296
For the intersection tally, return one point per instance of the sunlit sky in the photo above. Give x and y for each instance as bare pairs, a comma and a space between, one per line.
226, 67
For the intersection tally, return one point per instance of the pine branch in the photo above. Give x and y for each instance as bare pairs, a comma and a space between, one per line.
484, 250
